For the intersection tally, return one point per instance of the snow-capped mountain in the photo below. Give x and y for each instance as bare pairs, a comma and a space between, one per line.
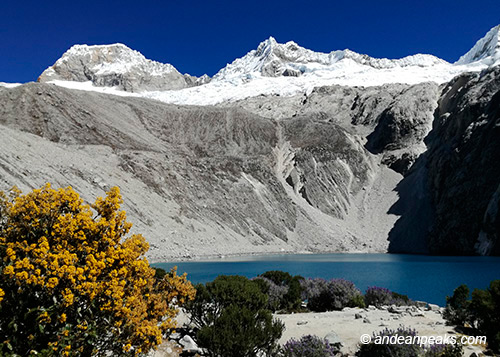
333, 169
486, 51
272, 59
116, 66
272, 68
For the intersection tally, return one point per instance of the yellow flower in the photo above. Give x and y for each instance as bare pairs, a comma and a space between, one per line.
68, 297
44, 317
8, 270
84, 255
52, 282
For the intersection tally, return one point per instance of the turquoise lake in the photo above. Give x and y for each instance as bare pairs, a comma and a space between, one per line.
426, 278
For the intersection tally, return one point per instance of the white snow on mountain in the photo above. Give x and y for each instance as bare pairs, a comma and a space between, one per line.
117, 66
272, 59
486, 51
9, 85
347, 73
271, 69
112, 59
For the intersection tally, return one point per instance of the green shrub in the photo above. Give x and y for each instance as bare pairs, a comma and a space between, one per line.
374, 349
334, 294
309, 346
377, 296
232, 319
446, 350
283, 290
457, 307
357, 301
482, 312
160, 273
400, 299
278, 277
485, 308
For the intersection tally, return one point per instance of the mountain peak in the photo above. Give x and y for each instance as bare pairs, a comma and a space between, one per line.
485, 51
114, 58
273, 59
115, 65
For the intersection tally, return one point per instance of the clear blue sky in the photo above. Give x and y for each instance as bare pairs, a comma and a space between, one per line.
202, 36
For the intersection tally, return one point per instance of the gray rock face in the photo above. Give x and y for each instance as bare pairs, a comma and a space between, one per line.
404, 124
197, 180
314, 172
394, 118
117, 66
454, 185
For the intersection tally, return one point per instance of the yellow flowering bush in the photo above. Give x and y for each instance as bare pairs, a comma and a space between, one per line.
71, 283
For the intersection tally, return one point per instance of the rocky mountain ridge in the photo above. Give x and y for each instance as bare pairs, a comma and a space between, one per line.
332, 169
273, 68
117, 66
272, 59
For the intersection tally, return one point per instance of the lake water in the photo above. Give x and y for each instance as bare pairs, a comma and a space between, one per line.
426, 278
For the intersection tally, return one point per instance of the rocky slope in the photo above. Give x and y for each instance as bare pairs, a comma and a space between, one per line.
332, 168
233, 179
206, 180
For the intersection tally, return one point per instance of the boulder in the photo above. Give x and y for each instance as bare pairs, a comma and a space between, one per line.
188, 344
433, 307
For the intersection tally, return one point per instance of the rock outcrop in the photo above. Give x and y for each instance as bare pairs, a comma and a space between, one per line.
454, 186
117, 66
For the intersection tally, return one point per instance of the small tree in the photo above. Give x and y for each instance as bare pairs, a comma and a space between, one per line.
482, 312
72, 284
232, 320
485, 308
457, 310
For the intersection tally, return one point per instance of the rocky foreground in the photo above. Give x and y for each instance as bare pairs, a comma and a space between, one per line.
348, 325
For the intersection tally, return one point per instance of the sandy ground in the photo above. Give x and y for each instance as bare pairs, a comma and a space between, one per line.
351, 323
349, 328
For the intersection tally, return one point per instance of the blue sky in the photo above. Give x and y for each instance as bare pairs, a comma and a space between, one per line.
200, 37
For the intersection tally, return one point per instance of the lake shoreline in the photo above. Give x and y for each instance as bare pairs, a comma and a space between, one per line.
420, 277
239, 257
